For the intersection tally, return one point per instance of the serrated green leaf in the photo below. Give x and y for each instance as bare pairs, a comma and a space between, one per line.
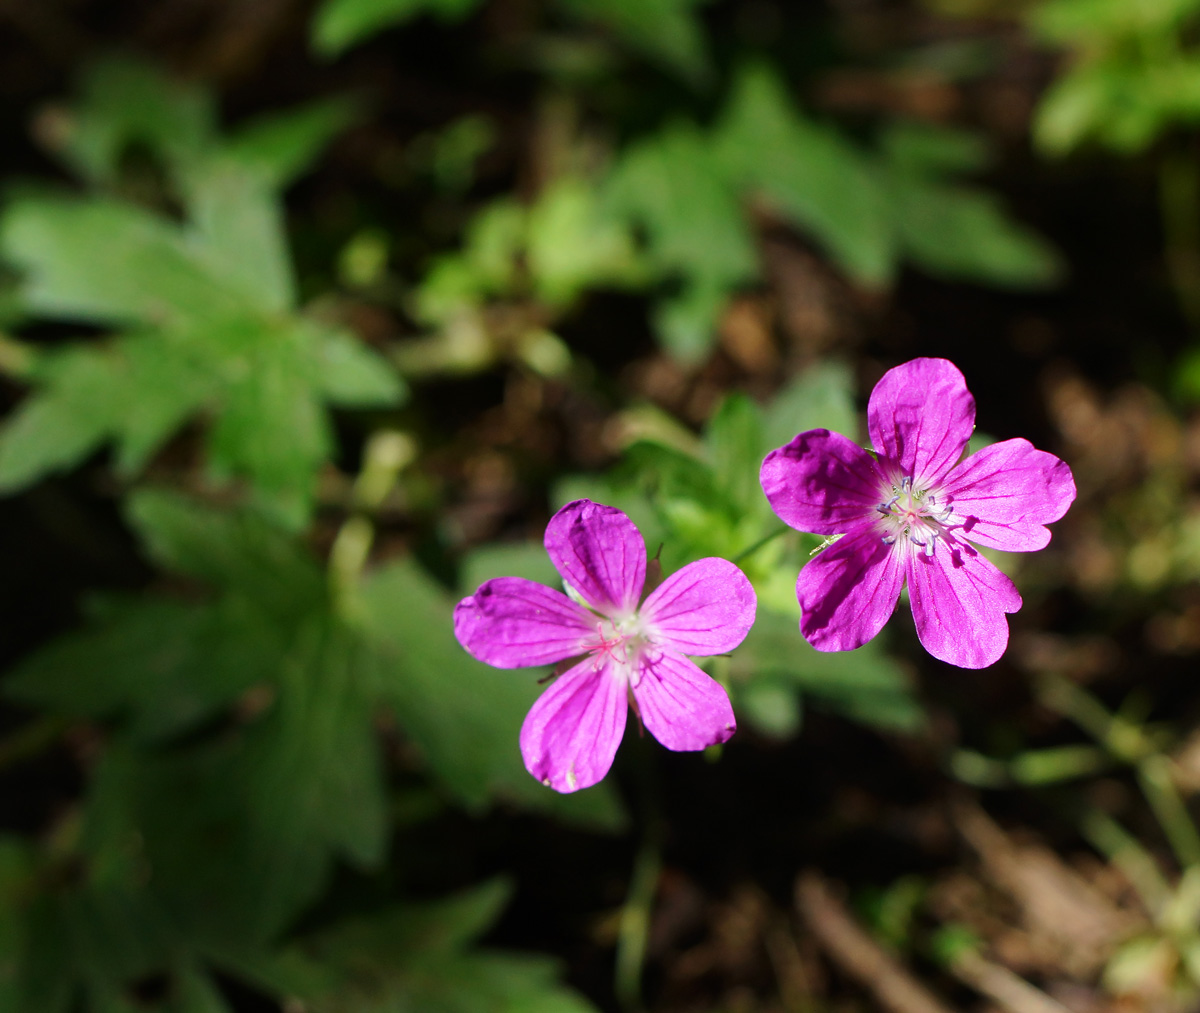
273, 427
237, 834
465, 716
353, 375
228, 549
71, 416
126, 101
956, 232
238, 232
340, 24
163, 383
809, 174
106, 262
417, 957
695, 229
164, 666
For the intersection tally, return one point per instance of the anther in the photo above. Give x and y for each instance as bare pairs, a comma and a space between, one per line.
889, 539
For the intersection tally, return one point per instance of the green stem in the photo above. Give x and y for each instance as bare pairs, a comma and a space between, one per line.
387, 453
759, 544
1154, 775
634, 930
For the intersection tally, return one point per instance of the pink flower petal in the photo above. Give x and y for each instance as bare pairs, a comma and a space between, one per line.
600, 553
511, 622
705, 608
681, 706
571, 733
848, 590
920, 417
821, 482
1004, 495
959, 601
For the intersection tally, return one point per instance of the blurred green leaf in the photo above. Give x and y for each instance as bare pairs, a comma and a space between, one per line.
418, 958
529, 560
571, 246
164, 665
808, 173
665, 30
340, 24
238, 230
71, 417
353, 375
864, 684
671, 186
734, 438
239, 833
102, 261
819, 398
125, 102
279, 147
956, 232
235, 549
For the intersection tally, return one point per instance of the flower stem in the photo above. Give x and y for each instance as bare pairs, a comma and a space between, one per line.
759, 544
634, 930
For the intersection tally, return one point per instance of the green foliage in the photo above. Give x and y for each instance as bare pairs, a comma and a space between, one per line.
672, 187
208, 312
873, 210
1133, 72
665, 31
341, 24
242, 762
417, 957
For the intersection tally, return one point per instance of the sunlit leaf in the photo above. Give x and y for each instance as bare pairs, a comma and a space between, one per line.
104, 261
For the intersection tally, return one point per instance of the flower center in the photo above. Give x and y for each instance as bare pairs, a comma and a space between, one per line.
621, 641
912, 516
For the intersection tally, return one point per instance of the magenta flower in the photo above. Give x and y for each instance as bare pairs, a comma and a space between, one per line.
630, 653
910, 513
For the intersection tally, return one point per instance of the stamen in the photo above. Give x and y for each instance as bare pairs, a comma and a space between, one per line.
906, 483
889, 539
886, 508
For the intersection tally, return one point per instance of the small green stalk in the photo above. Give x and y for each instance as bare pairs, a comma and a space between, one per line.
386, 455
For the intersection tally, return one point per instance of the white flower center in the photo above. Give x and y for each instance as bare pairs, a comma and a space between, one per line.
621, 641
912, 516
